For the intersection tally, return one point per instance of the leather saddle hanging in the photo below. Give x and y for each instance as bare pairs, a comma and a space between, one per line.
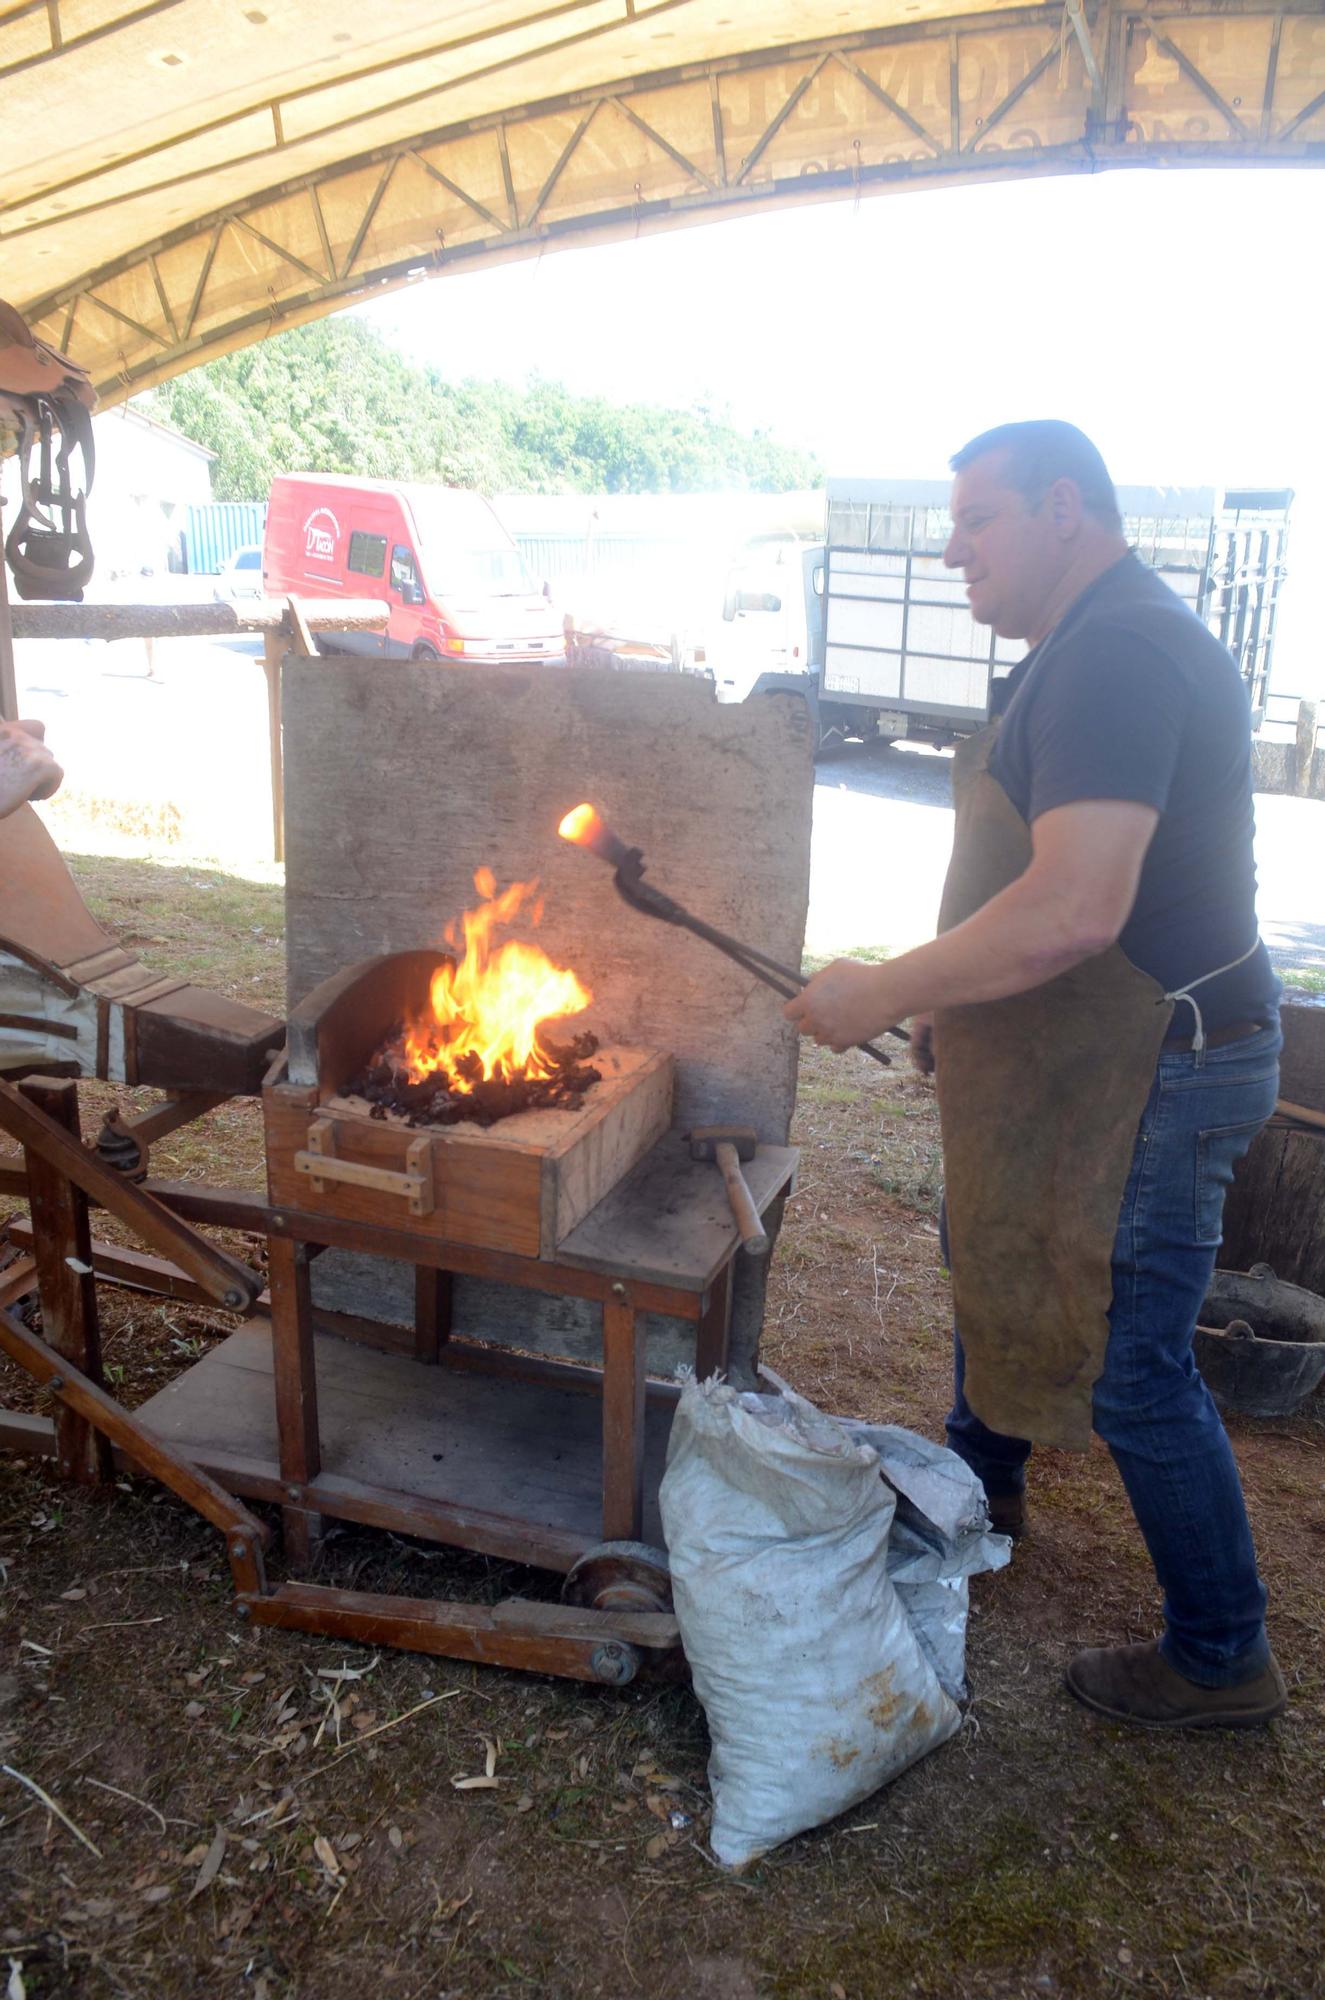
46, 405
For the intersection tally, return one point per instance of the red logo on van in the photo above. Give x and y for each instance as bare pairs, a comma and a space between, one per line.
321, 534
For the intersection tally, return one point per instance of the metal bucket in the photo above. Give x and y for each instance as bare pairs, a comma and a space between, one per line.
1260, 1343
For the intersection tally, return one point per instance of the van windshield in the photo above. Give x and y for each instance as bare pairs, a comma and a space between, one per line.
464, 552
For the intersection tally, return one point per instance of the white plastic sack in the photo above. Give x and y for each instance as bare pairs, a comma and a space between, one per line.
814, 1685
940, 1538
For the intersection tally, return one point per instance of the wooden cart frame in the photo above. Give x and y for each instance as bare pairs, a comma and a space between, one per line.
607, 1261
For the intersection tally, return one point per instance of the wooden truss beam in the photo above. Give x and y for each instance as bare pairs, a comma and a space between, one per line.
843, 116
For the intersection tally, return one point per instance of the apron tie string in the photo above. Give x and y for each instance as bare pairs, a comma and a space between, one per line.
1186, 993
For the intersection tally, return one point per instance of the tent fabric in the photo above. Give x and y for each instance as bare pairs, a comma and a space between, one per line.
181, 177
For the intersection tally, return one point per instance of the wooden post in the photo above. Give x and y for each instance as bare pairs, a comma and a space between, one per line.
623, 1421
295, 1374
713, 1332
432, 1312
62, 1241
1308, 721
8, 680
273, 652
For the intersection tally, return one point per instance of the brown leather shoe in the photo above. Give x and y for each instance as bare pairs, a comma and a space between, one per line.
1136, 1684
1007, 1514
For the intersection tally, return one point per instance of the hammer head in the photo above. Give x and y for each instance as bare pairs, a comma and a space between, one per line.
705, 1139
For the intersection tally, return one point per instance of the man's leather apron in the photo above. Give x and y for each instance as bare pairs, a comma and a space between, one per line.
1040, 1096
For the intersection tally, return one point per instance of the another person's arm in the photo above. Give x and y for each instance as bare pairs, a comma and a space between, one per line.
1071, 903
27, 768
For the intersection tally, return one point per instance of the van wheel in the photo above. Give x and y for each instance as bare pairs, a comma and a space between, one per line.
425, 653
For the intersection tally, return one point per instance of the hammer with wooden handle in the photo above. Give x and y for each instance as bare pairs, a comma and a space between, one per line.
728, 1145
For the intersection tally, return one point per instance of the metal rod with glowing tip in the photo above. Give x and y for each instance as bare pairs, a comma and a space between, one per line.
585, 828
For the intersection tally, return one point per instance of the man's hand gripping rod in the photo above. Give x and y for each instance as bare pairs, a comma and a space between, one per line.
585, 829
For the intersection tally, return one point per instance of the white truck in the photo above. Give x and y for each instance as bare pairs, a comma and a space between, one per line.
875, 632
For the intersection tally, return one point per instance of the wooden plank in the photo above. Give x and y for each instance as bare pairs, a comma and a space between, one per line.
20, 1277
294, 1364
273, 653
33, 1436
135, 1439
623, 1119
623, 1424
226, 1281
62, 1251
527, 1273
193, 621
670, 1221
131, 1268
487, 1195
492, 1463
520, 1633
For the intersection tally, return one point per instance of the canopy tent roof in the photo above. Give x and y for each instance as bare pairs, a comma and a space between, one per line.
184, 176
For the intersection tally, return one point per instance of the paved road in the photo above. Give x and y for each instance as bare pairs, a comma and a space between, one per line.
883, 830
183, 756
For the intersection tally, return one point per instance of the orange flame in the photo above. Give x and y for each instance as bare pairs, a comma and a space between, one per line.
491, 1004
582, 825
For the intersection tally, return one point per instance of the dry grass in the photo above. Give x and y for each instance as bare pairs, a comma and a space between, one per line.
1040, 1853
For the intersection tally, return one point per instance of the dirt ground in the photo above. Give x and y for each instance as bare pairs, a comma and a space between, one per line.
269, 1815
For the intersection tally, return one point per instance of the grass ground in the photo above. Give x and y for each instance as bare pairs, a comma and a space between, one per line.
268, 1815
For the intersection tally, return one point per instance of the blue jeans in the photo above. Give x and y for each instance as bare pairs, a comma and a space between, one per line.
1151, 1405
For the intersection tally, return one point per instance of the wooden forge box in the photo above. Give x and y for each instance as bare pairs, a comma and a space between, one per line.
519, 1186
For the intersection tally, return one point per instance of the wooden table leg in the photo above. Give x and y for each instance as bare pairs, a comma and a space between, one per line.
275, 646
295, 1375
60, 1233
713, 1332
432, 1312
623, 1422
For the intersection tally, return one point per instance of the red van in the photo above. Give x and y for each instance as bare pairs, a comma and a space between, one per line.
455, 582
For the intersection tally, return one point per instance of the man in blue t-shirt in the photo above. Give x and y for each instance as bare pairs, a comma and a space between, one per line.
1105, 1028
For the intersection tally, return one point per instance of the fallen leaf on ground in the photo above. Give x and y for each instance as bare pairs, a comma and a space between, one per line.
326, 1854
211, 1864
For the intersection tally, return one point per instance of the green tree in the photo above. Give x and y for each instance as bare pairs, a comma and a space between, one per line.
335, 397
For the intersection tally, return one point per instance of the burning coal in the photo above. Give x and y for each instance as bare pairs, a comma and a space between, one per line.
481, 1052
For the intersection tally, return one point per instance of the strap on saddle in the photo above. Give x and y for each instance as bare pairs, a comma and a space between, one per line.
47, 400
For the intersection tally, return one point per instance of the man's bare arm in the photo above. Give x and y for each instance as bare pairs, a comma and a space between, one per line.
1071, 903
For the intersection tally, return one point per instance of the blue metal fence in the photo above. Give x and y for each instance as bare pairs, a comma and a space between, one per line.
214, 532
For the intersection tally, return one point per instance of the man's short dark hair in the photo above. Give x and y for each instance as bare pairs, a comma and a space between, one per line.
1041, 451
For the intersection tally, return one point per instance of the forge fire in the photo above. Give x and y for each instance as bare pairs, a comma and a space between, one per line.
481, 1051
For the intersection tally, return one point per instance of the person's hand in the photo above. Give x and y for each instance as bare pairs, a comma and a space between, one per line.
27, 768
842, 1005
921, 1051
